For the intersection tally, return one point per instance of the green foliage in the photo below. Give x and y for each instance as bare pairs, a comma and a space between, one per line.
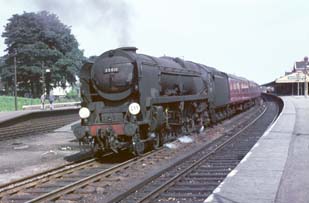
67, 99
73, 94
41, 42
7, 103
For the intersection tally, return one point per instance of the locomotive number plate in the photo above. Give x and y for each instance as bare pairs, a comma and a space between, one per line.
111, 70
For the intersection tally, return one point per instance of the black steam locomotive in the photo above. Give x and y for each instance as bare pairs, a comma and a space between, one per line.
130, 100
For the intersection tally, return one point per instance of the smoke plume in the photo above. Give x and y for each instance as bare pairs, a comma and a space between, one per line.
115, 15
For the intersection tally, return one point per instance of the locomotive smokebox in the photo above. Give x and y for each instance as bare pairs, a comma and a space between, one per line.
112, 74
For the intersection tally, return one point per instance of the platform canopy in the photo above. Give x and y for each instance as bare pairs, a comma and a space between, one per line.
295, 77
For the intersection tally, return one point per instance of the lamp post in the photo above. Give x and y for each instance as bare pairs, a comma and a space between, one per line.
306, 84
15, 79
43, 77
297, 77
47, 80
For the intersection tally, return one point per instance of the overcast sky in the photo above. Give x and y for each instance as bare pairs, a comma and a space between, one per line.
257, 39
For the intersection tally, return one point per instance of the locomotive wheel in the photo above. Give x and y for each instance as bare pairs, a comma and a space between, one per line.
138, 145
139, 148
165, 136
191, 127
157, 142
96, 151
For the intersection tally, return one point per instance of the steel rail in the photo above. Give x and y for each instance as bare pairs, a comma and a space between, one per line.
153, 194
28, 181
150, 196
85, 181
35, 126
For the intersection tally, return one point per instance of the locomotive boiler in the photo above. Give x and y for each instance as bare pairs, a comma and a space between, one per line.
131, 100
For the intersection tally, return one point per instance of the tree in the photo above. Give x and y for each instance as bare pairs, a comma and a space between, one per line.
41, 42
2, 62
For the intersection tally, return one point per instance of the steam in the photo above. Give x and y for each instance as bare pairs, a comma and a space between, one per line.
109, 14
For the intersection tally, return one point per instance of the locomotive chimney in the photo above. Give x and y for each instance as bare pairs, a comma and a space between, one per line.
132, 49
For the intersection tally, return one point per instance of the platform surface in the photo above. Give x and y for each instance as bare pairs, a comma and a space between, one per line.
28, 155
277, 167
13, 114
4, 116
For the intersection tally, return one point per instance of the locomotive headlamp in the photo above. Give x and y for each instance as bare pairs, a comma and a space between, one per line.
134, 108
84, 113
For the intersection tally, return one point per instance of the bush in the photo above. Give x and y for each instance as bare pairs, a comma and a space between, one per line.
73, 95
7, 103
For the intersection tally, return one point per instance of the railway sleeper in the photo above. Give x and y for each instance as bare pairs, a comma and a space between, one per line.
200, 179
185, 196
195, 184
218, 166
212, 170
189, 189
206, 175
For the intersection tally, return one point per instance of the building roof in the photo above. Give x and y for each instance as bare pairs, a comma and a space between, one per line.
295, 77
299, 65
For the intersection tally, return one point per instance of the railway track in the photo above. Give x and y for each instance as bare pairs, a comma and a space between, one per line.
36, 125
98, 182
62, 181
196, 178
14, 186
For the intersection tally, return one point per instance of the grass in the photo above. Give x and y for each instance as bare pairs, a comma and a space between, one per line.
7, 103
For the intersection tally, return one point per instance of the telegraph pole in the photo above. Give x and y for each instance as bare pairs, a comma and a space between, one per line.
43, 77
306, 84
15, 80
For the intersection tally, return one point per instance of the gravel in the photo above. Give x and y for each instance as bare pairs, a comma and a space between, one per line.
29, 155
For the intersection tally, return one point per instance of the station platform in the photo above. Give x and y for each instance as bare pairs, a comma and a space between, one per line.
10, 115
4, 116
276, 170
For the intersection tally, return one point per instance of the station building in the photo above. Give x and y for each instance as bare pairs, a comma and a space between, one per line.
292, 83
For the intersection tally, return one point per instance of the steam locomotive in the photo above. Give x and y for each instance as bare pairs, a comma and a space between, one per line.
133, 101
